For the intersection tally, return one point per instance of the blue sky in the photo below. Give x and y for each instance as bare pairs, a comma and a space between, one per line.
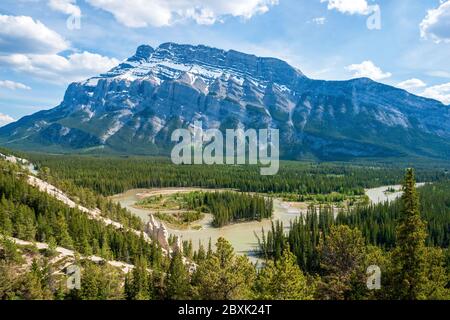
406, 43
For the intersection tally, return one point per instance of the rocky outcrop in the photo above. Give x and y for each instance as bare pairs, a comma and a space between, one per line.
157, 231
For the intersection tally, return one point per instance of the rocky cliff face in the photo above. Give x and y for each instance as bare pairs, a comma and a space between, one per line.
135, 107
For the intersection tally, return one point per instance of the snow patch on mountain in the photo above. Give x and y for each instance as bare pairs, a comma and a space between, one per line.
147, 96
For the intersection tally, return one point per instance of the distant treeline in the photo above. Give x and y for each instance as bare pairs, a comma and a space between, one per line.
229, 207
109, 176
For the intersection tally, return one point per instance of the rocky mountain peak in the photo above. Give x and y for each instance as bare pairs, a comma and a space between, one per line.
172, 60
143, 53
134, 108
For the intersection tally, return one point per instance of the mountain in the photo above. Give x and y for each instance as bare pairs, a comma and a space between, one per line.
134, 108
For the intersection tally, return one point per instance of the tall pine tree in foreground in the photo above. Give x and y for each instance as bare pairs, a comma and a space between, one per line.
342, 256
137, 285
282, 280
224, 275
408, 258
178, 282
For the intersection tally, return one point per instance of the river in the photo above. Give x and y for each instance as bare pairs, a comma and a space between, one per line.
242, 235
380, 195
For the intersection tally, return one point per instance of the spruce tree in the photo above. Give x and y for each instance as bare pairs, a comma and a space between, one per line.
89, 285
178, 283
409, 256
225, 276
201, 254
282, 280
342, 254
437, 287
137, 287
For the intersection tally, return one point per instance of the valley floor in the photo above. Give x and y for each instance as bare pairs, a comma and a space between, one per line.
243, 236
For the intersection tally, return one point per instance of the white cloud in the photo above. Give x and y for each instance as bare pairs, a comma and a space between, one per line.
21, 34
440, 92
29, 46
65, 6
412, 84
436, 25
56, 68
159, 13
319, 20
5, 119
368, 69
349, 6
11, 85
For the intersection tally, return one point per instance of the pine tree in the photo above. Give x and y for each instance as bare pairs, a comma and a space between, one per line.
210, 250
178, 283
85, 247
9, 253
52, 246
34, 284
105, 250
437, 286
409, 256
6, 226
89, 285
201, 254
31, 287
137, 286
6, 281
282, 280
343, 254
225, 276
62, 231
